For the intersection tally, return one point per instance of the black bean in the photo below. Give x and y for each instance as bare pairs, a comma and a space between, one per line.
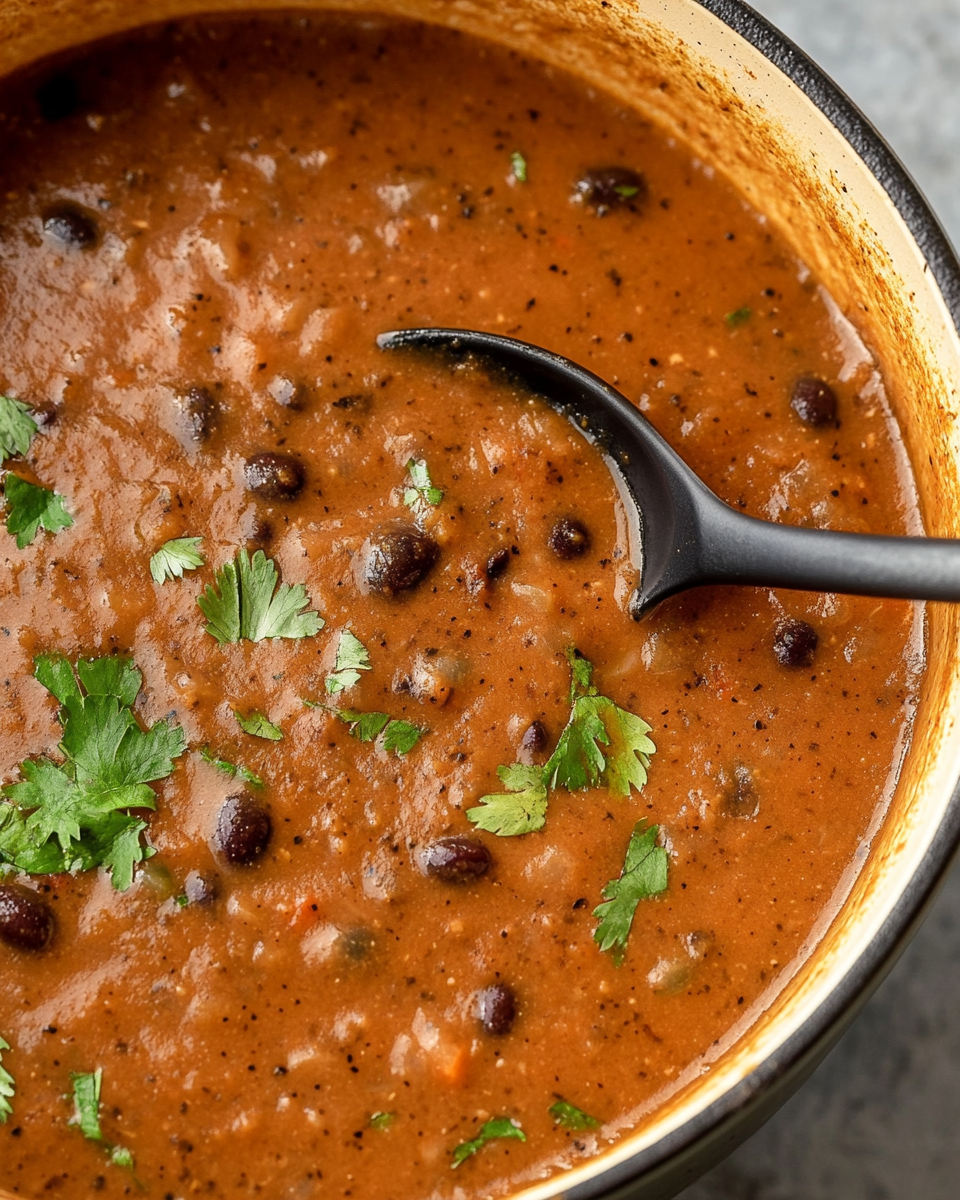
200, 887
200, 410
357, 944
534, 740
740, 797
25, 918
814, 401
612, 187
497, 563
273, 476
456, 859
497, 1008
794, 643
398, 558
58, 97
568, 538
243, 829
71, 227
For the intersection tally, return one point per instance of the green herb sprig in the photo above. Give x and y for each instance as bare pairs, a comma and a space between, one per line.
399, 736
74, 815
234, 770
352, 658
257, 725
244, 602
602, 745
175, 557
644, 875
499, 1127
422, 493
17, 427
31, 507
571, 1117
86, 1099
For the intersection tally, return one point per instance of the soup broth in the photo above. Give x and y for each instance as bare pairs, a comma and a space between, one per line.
333, 975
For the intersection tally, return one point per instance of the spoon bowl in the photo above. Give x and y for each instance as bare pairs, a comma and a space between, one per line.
689, 536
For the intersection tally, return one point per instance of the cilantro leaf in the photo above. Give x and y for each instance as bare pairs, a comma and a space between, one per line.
601, 745
99, 676
352, 658
571, 1117
31, 507
398, 736
738, 317
234, 770
17, 427
67, 816
401, 736
381, 1120
644, 875
579, 760
499, 1127
175, 557
422, 492
521, 809
119, 847
518, 164
86, 1099
7, 1086
627, 190
241, 603
365, 727
258, 725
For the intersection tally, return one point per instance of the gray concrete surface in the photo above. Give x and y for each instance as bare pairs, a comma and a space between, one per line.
880, 1120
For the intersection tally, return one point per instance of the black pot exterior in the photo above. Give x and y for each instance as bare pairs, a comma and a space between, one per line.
663, 1170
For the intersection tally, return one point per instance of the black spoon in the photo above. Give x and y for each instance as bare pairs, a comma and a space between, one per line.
689, 536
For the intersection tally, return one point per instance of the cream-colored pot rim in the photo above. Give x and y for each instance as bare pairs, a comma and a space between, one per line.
751, 105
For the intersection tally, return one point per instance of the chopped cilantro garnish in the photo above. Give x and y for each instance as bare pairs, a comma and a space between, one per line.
17, 427
352, 658
644, 875
602, 745
521, 809
627, 191
69, 816
381, 1120
738, 317
30, 507
86, 1099
7, 1086
518, 164
234, 770
571, 1117
499, 1127
422, 492
175, 557
595, 722
398, 736
241, 603
258, 725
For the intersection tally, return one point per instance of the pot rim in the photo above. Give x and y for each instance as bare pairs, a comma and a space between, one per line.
868, 971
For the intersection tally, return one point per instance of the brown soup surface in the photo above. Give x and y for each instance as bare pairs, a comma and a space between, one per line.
309, 989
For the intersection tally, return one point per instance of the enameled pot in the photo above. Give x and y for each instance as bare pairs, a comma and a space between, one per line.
752, 106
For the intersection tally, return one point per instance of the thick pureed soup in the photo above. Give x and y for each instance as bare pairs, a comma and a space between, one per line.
325, 728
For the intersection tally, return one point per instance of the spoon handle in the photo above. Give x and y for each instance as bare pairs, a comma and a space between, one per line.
789, 556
